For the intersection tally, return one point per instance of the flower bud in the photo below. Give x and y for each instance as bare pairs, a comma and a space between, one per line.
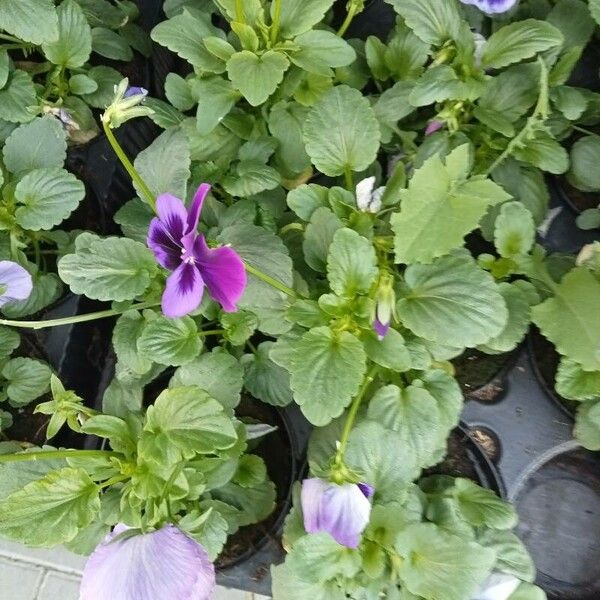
126, 105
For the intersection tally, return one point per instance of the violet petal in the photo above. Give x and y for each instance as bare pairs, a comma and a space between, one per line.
162, 565
171, 211
310, 496
196, 207
223, 273
166, 250
183, 292
366, 489
491, 6
381, 329
15, 282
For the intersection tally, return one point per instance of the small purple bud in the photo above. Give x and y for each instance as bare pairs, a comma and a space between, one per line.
385, 305
342, 511
433, 126
135, 91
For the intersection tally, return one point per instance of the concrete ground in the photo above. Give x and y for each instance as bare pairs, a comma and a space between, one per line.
34, 574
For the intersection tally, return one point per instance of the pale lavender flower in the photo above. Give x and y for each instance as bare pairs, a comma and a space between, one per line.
385, 305
134, 91
162, 565
433, 126
368, 199
492, 6
498, 586
15, 282
342, 511
178, 247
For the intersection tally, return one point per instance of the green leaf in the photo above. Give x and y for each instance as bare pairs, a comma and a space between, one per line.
239, 326
74, 44
439, 209
341, 132
51, 510
82, 84
514, 232
482, 507
574, 383
572, 19
526, 591
164, 114
170, 342
9, 341
585, 154
512, 556
27, 380
114, 429
158, 169
587, 425
110, 44
594, 6
351, 264
518, 41
179, 92
218, 373
257, 77
571, 319
17, 97
452, 301
184, 35
40, 144
216, 97
109, 269
321, 50
413, 413
326, 371
264, 379
390, 352
544, 152
251, 177
298, 16
32, 21
432, 21
106, 78
285, 125
288, 585
440, 565
126, 333
191, 420
46, 197
47, 288
318, 237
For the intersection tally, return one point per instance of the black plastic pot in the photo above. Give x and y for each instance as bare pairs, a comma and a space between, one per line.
553, 482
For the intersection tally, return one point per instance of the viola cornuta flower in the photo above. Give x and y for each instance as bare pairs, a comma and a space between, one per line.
498, 586
178, 247
385, 305
492, 6
126, 105
342, 511
15, 282
162, 565
368, 199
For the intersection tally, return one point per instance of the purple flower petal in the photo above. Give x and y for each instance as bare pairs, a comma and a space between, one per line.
342, 511
183, 292
162, 565
196, 207
491, 6
433, 126
171, 211
381, 329
166, 250
15, 282
223, 273
135, 91
366, 489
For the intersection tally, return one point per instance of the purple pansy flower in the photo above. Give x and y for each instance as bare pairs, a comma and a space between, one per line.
178, 247
15, 282
163, 565
492, 6
342, 511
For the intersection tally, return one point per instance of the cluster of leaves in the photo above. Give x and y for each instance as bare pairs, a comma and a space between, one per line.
45, 58
185, 459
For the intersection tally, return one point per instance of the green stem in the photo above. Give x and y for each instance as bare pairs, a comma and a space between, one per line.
103, 314
339, 455
352, 11
583, 130
240, 16
51, 454
272, 282
349, 178
211, 332
135, 176
276, 20
112, 481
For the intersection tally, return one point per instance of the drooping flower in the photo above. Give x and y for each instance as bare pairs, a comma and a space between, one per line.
15, 282
126, 105
162, 565
178, 247
498, 586
433, 126
492, 6
385, 305
368, 199
342, 511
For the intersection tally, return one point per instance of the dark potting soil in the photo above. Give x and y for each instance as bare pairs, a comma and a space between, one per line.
458, 461
480, 374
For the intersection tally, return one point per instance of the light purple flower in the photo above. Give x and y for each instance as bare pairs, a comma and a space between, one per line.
492, 6
162, 565
433, 126
178, 247
385, 305
15, 282
342, 511
133, 90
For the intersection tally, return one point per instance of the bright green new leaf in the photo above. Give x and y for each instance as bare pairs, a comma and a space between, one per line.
587, 425
257, 77
74, 44
125, 337
51, 510
514, 232
571, 318
46, 197
326, 371
33, 21
320, 51
171, 342
298, 16
574, 383
518, 41
215, 97
109, 269
27, 379
452, 301
390, 352
341, 132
